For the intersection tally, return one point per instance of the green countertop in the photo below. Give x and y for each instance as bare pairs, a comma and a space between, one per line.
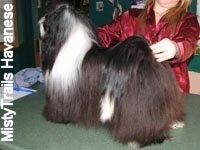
33, 132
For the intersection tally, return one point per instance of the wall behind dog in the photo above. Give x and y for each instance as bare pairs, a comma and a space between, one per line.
24, 55
194, 64
101, 11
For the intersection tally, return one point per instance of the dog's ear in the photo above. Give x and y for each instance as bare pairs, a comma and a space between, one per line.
42, 28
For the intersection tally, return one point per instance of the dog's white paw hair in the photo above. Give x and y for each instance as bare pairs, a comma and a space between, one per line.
133, 144
177, 124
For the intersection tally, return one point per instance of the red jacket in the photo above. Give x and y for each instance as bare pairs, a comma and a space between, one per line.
186, 35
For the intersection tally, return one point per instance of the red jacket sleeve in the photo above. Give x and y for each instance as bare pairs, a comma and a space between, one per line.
120, 29
187, 35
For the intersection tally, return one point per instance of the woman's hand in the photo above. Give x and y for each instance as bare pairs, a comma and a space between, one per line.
165, 49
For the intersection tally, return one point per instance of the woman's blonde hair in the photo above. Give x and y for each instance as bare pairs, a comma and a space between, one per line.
172, 16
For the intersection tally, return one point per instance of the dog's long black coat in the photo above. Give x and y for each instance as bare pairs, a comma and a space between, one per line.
144, 92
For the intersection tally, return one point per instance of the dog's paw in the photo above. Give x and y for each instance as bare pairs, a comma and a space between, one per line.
133, 144
177, 124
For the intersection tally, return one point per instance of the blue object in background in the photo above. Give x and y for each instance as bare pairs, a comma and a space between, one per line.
28, 77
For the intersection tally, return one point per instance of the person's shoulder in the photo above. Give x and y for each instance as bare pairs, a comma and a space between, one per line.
189, 15
189, 19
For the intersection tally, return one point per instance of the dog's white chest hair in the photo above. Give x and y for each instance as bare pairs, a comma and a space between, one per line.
70, 57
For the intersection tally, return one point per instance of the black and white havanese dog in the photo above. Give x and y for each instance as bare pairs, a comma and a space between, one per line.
122, 87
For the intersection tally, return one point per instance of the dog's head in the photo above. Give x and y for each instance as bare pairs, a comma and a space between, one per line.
65, 28
63, 20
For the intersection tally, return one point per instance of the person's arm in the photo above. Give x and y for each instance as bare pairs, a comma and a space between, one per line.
187, 38
120, 29
181, 46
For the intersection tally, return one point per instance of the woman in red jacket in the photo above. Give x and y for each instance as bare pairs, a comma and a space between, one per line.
170, 29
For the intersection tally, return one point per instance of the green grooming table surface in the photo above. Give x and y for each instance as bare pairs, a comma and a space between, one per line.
33, 132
